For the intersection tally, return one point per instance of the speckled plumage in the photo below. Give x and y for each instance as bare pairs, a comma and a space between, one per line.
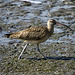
36, 33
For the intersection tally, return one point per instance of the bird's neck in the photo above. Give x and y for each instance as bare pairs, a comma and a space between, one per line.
50, 27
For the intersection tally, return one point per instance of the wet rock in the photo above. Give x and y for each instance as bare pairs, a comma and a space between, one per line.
73, 0
27, 3
11, 42
37, 12
0, 28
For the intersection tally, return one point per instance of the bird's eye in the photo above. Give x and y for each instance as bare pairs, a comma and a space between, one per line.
51, 20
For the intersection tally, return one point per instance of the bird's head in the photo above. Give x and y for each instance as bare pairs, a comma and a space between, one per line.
52, 22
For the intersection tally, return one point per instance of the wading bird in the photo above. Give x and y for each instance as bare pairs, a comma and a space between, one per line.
36, 35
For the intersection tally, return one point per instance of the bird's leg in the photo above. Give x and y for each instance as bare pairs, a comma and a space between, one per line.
39, 50
23, 50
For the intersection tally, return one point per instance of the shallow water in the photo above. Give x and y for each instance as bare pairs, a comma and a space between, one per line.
17, 15
9, 14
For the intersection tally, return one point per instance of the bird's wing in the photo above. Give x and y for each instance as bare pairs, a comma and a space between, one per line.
33, 33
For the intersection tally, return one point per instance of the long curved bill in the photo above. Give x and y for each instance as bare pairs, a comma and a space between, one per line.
64, 25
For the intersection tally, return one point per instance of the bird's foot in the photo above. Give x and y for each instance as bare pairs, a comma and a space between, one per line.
19, 57
44, 57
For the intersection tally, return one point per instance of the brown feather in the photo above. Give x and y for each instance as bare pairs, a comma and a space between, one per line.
34, 33
15, 35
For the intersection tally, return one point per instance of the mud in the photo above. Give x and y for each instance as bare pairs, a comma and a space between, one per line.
59, 49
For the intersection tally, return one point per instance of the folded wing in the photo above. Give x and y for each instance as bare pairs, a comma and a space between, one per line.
33, 33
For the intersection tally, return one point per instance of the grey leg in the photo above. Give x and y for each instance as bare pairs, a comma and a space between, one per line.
23, 50
39, 50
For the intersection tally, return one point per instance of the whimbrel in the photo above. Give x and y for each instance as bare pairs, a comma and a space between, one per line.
37, 34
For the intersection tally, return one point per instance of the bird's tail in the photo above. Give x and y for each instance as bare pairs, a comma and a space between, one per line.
7, 35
